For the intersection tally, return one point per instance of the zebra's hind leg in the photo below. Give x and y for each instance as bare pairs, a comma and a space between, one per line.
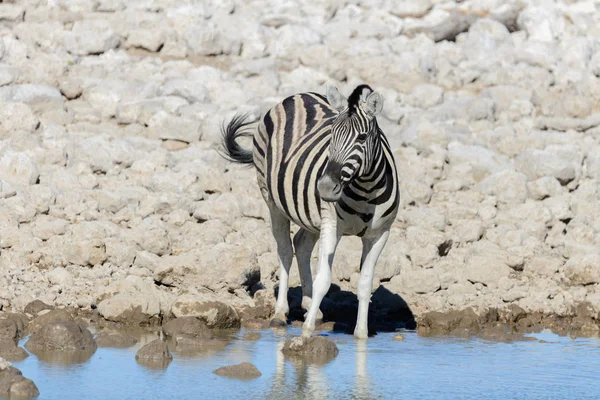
280, 226
304, 243
372, 247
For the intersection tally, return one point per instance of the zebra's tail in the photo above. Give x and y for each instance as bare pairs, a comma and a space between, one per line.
231, 150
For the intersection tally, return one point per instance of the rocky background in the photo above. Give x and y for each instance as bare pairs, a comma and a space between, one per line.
114, 197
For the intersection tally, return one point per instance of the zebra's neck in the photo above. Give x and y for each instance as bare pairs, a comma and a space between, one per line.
375, 176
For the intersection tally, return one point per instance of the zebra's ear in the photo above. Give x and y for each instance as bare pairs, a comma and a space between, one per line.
374, 104
335, 98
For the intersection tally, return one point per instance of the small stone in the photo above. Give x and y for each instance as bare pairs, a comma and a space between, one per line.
244, 371
252, 336
399, 337
314, 349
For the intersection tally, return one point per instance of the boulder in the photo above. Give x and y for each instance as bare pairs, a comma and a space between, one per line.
486, 270
68, 336
208, 308
583, 269
155, 354
135, 308
187, 326
221, 267
56, 315
13, 384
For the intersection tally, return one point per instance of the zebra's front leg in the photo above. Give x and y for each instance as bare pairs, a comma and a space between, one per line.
372, 247
280, 227
329, 236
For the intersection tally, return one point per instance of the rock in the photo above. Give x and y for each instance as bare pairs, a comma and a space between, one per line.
426, 96
11, 13
46, 227
155, 354
252, 336
36, 306
11, 352
186, 89
410, 8
131, 308
461, 323
509, 187
314, 349
8, 330
583, 269
244, 370
18, 168
543, 24
486, 270
60, 276
8, 75
167, 127
208, 308
115, 339
89, 37
52, 316
438, 24
540, 163
231, 267
399, 337
188, 326
148, 39
547, 186
416, 280
85, 252
13, 384
482, 161
17, 118
467, 230
68, 336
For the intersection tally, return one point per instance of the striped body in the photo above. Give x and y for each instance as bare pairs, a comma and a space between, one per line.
290, 154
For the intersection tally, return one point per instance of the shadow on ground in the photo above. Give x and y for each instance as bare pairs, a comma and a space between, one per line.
387, 311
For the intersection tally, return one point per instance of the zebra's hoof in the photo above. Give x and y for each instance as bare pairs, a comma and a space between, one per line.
277, 323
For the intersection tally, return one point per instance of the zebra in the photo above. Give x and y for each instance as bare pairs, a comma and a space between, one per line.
325, 164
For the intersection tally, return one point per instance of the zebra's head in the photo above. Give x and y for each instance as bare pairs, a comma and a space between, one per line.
354, 136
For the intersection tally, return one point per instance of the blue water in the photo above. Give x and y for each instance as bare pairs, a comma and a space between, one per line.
382, 368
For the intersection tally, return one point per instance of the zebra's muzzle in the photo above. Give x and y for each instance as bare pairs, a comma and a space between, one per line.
329, 189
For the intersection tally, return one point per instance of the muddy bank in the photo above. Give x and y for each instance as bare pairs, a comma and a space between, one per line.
509, 324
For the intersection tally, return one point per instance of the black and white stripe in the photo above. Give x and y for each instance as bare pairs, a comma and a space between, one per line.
314, 153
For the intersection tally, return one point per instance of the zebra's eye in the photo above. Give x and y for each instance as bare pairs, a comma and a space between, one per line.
362, 137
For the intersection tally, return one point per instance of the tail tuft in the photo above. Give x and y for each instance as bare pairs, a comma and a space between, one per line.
231, 150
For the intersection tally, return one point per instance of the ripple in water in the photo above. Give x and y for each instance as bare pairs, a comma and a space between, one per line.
381, 368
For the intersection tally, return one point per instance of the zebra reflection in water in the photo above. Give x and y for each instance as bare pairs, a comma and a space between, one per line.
323, 163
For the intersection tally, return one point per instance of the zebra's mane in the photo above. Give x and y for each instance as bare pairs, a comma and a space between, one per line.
354, 98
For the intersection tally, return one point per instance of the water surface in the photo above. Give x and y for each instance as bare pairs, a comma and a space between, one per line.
553, 367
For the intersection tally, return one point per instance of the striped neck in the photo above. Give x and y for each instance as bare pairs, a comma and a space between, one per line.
375, 171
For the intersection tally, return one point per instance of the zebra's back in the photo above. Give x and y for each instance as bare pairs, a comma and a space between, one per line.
290, 152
